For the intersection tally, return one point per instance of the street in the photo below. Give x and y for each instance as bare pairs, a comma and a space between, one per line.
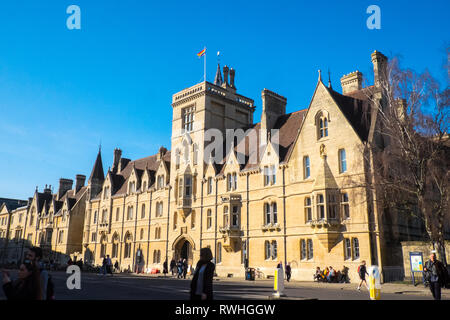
139, 287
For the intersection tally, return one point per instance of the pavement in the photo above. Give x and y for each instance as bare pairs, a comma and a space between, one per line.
386, 288
127, 286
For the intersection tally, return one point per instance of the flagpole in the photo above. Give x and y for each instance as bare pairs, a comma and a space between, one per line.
204, 67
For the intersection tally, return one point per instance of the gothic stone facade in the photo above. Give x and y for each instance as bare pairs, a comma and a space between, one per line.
302, 202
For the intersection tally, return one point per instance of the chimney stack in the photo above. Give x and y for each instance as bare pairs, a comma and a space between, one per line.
48, 189
379, 61
64, 186
116, 160
162, 151
225, 76
273, 106
351, 82
232, 73
80, 179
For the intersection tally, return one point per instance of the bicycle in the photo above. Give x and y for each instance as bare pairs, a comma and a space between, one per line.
259, 273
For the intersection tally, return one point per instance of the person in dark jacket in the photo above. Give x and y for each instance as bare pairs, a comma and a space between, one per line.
435, 273
202, 281
362, 271
173, 265
288, 272
27, 286
185, 267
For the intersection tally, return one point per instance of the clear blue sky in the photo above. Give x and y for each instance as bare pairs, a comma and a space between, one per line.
63, 91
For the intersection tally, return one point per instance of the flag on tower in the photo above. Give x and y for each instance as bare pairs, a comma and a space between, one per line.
201, 53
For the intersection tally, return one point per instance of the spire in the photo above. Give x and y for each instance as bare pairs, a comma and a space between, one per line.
320, 75
329, 79
97, 171
218, 79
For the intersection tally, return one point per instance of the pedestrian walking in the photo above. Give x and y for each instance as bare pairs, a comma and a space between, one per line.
185, 267
116, 266
27, 286
202, 281
288, 272
104, 266
109, 265
165, 268
331, 275
362, 272
435, 274
173, 265
180, 268
280, 265
34, 254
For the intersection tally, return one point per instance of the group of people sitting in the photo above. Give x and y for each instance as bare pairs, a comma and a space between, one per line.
329, 274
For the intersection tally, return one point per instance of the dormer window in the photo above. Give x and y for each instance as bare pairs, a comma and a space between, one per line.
322, 125
132, 187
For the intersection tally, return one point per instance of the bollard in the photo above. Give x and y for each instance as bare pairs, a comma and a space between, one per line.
374, 283
278, 284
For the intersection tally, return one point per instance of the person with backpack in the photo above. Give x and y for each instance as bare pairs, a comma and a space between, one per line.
34, 254
27, 286
362, 271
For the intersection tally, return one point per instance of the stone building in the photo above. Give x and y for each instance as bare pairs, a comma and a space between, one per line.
291, 189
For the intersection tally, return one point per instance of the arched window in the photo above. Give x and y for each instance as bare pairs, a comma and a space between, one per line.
115, 246
130, 213
307, 167
235, 216
355, 248
142, 234
274, 213
127, 249
274, 249
308, 209
320, 207
175, 220
347, 249
143, 211
267, 250
209, 219
229, 182
302, 249
225, 216
234, 178
267, 217
345, 207
332, 207
342, 161
310, 249
210, 185
322, 125
95, 217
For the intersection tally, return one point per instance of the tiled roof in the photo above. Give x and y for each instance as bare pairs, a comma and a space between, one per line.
13, 204
151, 163
356, 111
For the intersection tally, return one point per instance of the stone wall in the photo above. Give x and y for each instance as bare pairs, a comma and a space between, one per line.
419, 246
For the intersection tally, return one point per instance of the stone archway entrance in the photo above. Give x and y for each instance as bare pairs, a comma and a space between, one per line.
184, 250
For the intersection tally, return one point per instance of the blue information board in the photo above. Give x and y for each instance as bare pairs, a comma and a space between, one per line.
416, 263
